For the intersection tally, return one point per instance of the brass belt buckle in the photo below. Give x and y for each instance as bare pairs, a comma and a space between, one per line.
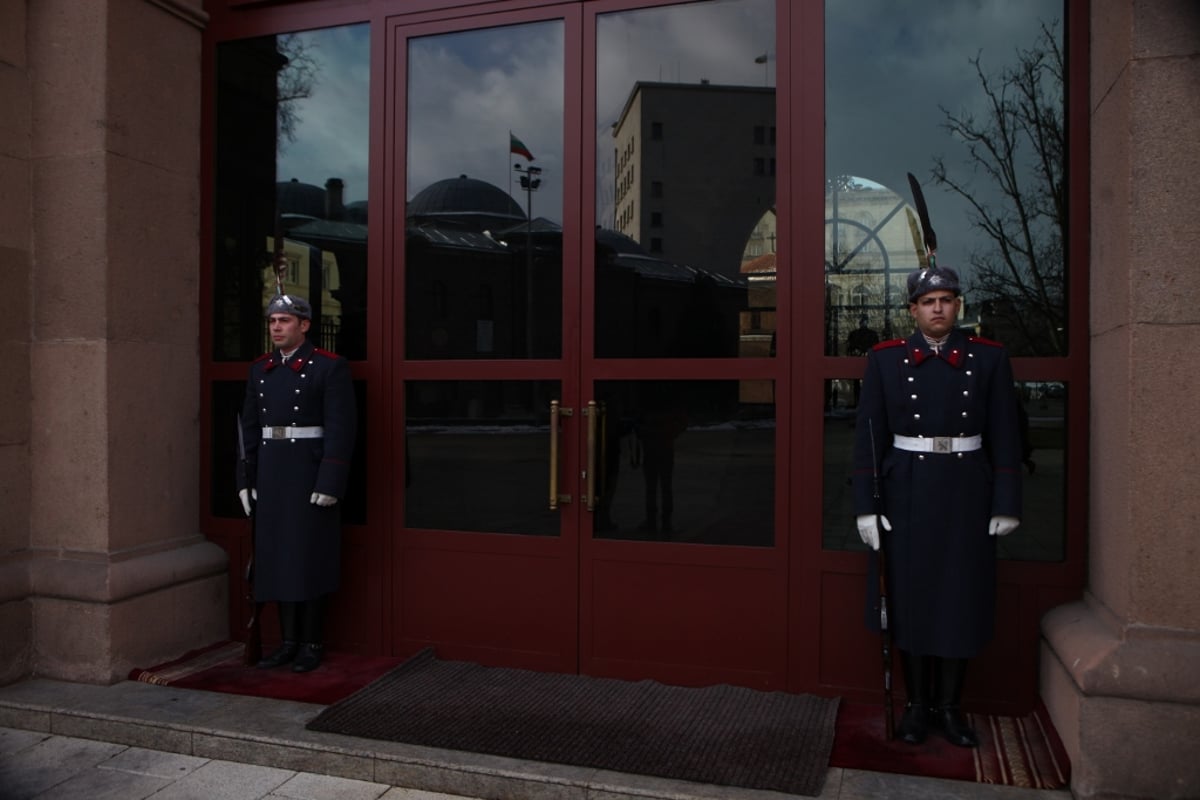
943, 444
278, 432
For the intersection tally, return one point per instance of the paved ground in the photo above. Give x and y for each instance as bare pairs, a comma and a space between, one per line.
130, 741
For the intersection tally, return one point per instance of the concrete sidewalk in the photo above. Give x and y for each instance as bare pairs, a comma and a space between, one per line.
135, 740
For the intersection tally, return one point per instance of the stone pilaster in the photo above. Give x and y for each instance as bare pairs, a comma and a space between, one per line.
115, 571
1119, 668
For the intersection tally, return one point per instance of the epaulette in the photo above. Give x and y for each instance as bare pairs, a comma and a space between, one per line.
325, 353
888, 344
263, 357
981, 340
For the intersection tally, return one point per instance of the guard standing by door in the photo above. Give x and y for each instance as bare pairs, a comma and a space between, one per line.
299, 428
940, 408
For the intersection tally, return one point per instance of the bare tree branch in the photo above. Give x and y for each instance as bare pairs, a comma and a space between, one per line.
295, 82
1018, 146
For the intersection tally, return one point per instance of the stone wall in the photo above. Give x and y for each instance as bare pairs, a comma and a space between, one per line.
99, 445
15, 260
1119, 670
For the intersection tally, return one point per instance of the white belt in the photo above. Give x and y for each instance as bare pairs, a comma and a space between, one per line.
938, 444
291, 432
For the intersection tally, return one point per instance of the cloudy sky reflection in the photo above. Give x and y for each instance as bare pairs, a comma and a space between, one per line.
889, 65
331, 137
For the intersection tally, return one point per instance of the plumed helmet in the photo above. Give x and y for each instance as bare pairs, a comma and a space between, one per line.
933, 279
289, 304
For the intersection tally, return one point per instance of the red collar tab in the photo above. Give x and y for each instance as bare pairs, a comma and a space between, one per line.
920, 353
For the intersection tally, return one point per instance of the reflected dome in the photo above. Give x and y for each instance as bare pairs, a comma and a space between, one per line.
468, 199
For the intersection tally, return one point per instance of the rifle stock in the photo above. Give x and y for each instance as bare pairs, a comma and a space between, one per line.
253, 652
885, 631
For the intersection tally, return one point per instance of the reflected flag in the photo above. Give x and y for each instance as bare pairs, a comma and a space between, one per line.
517, 147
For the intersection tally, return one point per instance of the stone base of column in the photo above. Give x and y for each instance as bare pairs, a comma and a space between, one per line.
94, 621
1125, 700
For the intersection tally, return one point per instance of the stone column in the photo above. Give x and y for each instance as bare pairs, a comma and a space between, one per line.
1121, 669
118, 572
15, 258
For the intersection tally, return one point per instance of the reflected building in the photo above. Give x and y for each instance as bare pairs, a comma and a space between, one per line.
718, 181
872, 242
321, 233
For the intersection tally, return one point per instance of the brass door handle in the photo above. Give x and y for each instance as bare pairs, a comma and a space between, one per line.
553, 455
556, 412
590, 491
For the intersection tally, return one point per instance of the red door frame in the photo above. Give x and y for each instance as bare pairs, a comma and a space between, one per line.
511, 600
825, 647
740, 593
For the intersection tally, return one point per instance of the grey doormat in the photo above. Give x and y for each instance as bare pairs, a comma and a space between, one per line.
720, 734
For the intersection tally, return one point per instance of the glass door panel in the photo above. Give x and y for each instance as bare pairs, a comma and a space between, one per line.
685, 461
483, 233
479, 456
973, 107
685, 181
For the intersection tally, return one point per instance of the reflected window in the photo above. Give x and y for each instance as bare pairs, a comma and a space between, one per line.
290, 206
976, 113
869, 251
673, 223
1042, 411
686, 461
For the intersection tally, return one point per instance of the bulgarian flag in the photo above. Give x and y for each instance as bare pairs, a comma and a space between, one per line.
518, 147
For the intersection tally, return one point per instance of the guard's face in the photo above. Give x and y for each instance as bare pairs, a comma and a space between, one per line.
287, 331
936, 312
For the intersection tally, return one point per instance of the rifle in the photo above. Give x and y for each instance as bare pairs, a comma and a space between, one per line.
885, 632
253, 652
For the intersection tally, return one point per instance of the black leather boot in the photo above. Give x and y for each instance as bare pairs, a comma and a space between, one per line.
308, 658
287, 629
914, 725
312, 634
950, 675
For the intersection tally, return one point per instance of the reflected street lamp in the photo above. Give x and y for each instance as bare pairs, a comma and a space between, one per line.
530, 181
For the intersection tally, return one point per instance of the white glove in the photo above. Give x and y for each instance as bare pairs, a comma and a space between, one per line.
868, 528
319, 499
244, 495
1003, 526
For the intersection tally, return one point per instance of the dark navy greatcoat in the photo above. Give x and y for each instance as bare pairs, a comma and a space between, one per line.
941, 559
297, 545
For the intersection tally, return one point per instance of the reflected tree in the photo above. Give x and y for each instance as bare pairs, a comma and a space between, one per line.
297, 77
1018, 143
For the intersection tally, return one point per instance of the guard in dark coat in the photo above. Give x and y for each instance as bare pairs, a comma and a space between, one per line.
298, 423
940, 407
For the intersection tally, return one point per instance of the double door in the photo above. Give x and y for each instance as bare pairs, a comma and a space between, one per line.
592, 383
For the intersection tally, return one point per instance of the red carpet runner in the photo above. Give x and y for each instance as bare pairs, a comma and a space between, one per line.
219, 669
1013, 751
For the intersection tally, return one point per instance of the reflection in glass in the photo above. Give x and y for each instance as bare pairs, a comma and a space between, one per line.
483, 253
291, 187
973, 106
226, 404
685, 181
685, 461
1042, 534
478, 456
869, 251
